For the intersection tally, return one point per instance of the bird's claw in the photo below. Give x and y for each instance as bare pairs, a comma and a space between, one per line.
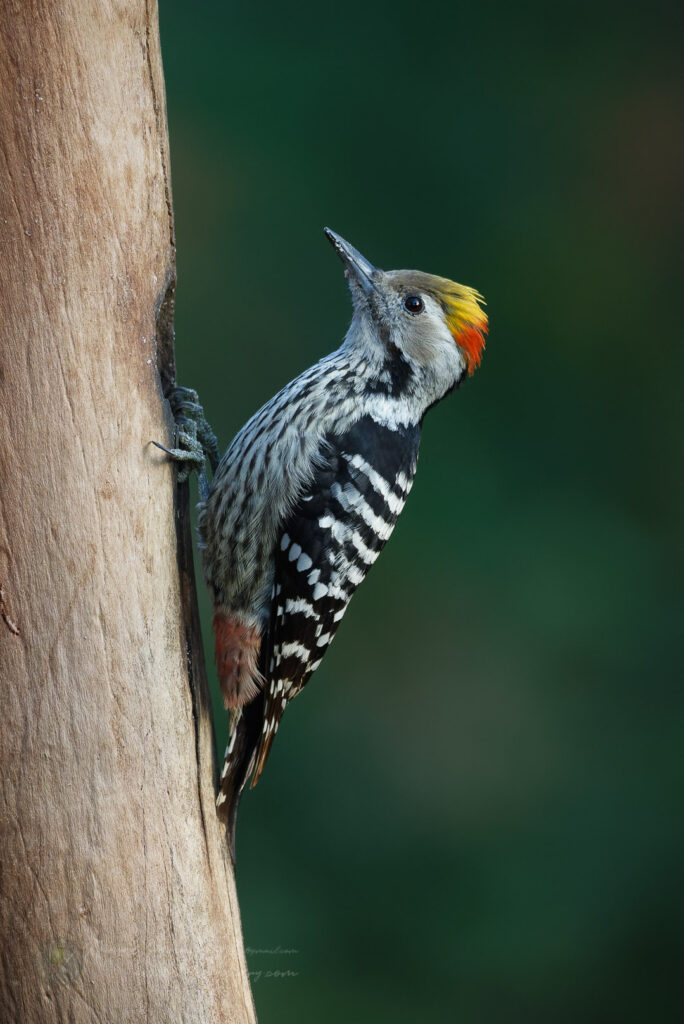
189, 416
195, 441
190, 457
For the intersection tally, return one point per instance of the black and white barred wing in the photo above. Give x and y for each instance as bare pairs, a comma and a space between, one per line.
326, 547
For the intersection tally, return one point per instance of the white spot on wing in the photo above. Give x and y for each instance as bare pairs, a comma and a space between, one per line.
378, 482
366, 553
354, 574
300, 604
352, 500
297, 650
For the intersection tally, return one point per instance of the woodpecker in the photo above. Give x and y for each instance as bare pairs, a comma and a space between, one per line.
310, 489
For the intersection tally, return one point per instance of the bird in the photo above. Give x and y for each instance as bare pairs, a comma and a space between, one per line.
308, 492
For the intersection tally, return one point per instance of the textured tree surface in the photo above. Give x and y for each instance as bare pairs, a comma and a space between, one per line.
117, 896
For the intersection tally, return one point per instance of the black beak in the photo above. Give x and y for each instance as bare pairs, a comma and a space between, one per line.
355, 263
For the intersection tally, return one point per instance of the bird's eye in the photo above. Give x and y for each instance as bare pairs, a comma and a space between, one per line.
413, 304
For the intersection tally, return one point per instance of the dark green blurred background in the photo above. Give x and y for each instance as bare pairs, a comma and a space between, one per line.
475, 811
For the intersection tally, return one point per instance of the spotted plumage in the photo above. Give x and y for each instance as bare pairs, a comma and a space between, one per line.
310, 490
328, 544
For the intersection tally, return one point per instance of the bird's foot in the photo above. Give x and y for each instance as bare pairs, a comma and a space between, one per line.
195, 441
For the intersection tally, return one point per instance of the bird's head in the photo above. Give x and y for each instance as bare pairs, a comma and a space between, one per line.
435, 325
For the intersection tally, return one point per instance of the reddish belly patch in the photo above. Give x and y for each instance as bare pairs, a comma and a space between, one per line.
236, 651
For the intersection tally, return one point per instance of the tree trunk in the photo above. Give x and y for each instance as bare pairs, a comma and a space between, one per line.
117, 895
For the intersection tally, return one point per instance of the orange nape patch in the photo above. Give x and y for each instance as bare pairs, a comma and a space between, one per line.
467, 322
236, 649
471, 341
